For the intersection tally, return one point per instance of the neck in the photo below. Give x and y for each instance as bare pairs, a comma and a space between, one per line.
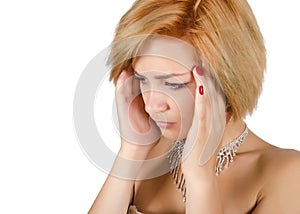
233, 129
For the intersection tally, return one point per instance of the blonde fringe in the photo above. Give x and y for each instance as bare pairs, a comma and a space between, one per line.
225, 32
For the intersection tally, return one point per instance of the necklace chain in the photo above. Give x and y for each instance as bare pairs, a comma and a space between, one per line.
228, 151
175, 156
224, 157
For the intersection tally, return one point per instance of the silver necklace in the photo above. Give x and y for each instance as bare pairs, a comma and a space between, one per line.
228, 151
175, 156
224, 157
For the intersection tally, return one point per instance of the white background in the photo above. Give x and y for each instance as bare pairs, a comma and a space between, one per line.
44, 47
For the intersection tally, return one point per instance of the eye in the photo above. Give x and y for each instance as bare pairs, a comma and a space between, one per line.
142, 80
175, 85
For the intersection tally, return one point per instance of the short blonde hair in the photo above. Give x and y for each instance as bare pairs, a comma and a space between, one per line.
225, 32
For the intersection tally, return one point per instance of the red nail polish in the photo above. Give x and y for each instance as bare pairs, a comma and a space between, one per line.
199, 71
201, 90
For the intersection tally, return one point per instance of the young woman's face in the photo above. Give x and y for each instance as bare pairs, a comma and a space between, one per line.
168, 91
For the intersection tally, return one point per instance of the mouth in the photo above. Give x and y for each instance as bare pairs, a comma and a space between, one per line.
164, 125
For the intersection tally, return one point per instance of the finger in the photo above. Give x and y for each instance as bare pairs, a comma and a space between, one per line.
121, 79
211, 120
197, 135
134, 125
124, 85
202, 94
135, 87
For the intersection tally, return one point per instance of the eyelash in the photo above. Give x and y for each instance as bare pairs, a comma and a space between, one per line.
174, 86
141, 79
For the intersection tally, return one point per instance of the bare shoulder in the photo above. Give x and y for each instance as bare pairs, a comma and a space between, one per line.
280, 191
280, 161
279, 167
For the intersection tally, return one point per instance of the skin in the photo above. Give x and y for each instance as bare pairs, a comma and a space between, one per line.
262, 179
250, 184
169, 100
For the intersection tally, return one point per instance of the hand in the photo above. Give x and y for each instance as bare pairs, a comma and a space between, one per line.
138, 131
205, 135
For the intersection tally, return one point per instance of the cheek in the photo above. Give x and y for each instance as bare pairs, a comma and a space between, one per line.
186, 102
144, 91
185, 108
144, 96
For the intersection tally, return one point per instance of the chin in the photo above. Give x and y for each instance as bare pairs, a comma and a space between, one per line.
172, 135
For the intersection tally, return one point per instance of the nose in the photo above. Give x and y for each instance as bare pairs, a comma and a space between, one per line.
155, 102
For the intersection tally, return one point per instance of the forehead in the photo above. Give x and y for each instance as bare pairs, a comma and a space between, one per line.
165, 54
158, 64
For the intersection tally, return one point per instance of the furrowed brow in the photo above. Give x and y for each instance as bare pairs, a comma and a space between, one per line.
171, 75
163, 76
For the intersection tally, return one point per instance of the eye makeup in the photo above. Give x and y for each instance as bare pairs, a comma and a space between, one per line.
139, 77
171, 85
176, 85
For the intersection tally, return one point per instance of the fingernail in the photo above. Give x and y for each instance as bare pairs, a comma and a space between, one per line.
199, 71
201, 90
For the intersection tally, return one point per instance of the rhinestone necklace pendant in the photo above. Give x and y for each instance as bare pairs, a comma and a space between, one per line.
227, 152
175, 156
224, 157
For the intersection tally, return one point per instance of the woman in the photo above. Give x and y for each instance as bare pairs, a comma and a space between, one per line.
187, 73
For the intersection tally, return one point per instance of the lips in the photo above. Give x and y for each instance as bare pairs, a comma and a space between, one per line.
164, 125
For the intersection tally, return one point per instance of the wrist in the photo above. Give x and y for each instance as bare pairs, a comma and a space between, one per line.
127, 164
133, 152
198, 173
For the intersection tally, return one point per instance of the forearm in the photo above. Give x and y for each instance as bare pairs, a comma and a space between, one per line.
114, 196
203, 196
117, 191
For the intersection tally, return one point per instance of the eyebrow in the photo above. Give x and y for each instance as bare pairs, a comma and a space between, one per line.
163, 76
